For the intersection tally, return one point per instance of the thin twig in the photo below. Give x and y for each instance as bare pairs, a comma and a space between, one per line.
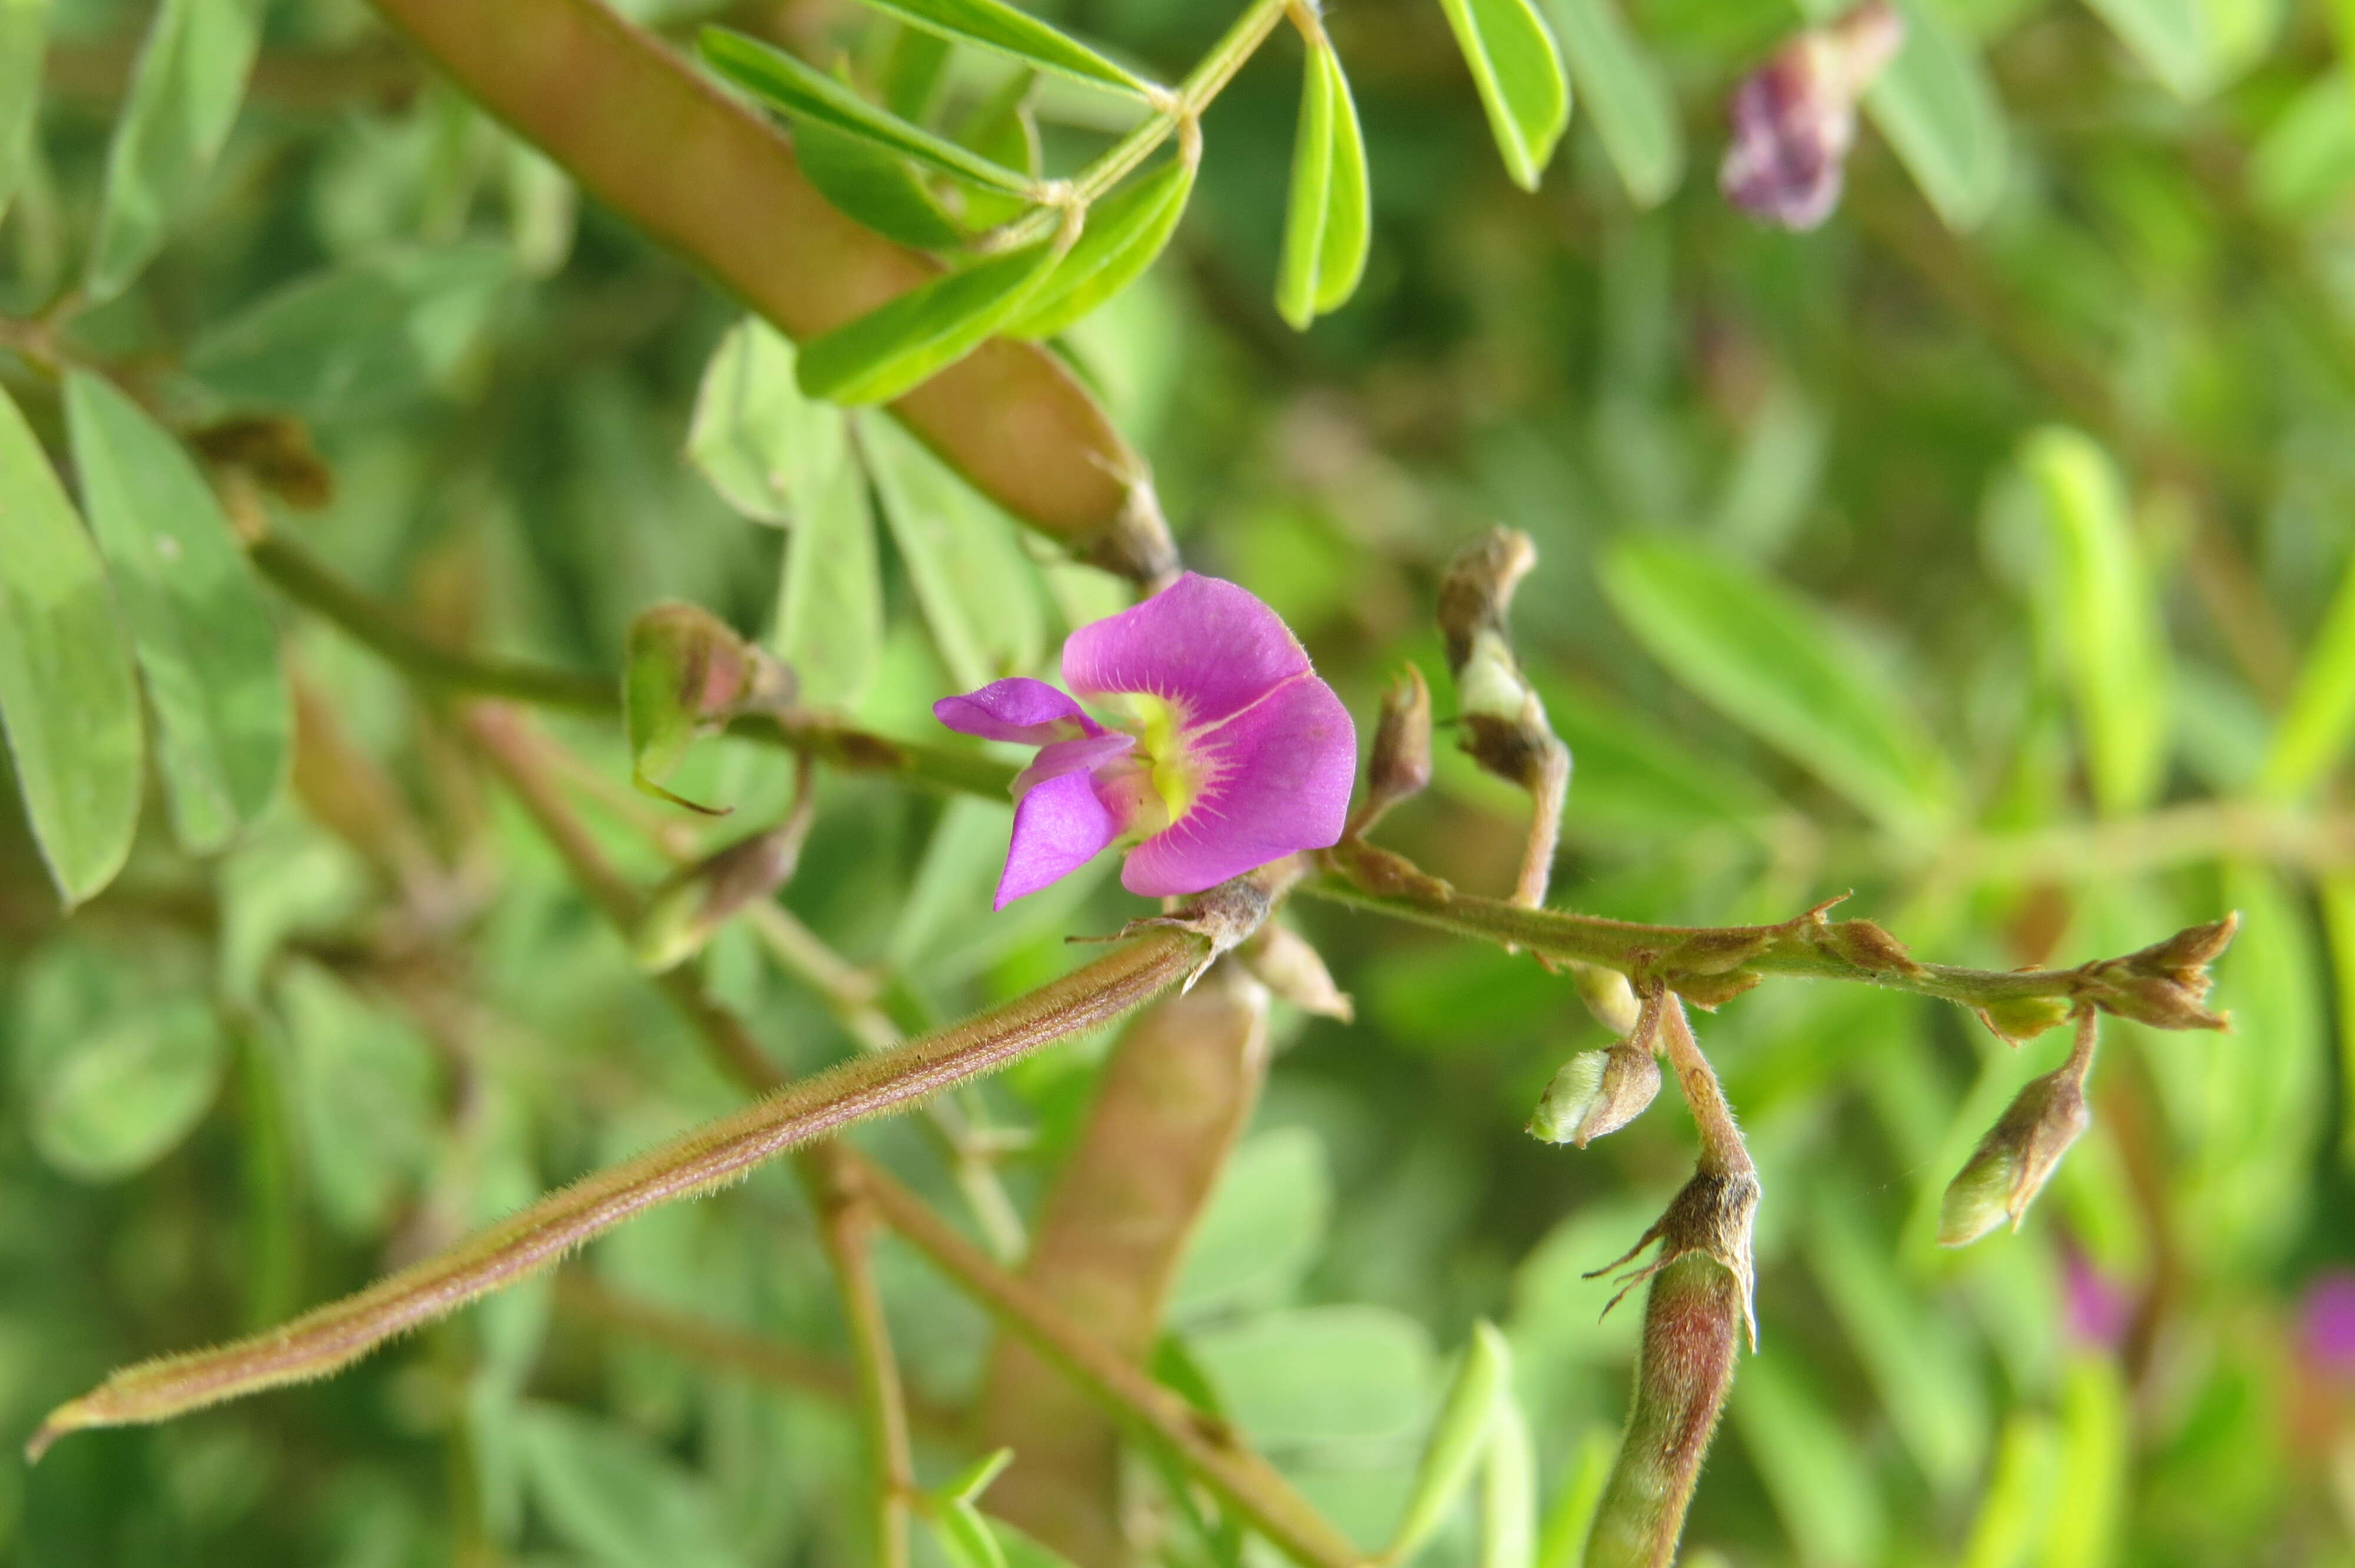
845, 1227
304, 579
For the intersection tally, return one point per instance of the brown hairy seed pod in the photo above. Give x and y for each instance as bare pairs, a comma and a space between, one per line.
1692, 1326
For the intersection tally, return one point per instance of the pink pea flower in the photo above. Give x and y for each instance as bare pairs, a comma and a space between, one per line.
1235, 752
1795, 117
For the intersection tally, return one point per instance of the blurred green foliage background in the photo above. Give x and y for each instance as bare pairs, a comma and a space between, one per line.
1975, 553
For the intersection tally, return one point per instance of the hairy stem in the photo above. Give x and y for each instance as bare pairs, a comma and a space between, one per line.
710, 1156
845, 1227
1711, 964
723, 1348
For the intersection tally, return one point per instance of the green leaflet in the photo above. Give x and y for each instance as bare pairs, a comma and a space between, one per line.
2172, 38
1771, 664
1518, 71
114, 1061
2311, 737
2306, 162
23, 29
1124, 235
1004, 129
1328, 217
1509, 1490
905, 342
979, 592
1813, 1468
1467, 1416
2099, 612
1017, 35
765, 448
67, 699
184, 97
1634, 112
1940, 112
830, 609
197, 620
874, 186
805, 92
362, 339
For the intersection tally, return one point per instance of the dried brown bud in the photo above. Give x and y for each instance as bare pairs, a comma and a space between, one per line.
1502, 722
1227, 915
277, 451
2166, 984
1283, 960
1713, 1215
1712, 992
694, 902
1399, 765
2021, 1150
1793, 118
1867, 946
1596, 1092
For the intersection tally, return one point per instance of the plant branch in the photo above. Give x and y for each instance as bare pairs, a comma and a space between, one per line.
1709, 965
304, 578
846, 1228
725, 1349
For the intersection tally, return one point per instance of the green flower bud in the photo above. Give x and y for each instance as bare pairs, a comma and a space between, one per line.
2019, 1153
685, 673
1596, 1092
694, 902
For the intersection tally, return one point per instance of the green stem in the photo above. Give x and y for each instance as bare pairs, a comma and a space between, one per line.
1706, 964
304, 578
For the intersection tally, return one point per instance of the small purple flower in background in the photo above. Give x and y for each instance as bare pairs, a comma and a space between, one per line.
1795, 117
2099, 1308
2327, 1323
1235, 753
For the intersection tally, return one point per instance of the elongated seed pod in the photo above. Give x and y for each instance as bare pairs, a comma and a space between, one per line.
1692, 1325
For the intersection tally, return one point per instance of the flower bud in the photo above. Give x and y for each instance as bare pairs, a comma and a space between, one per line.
2018, 1154
1504, 723
686, 675
1793, 118
2017, 1019
1400, 765
277, 451
2166, 984
1282, 959
697, 900
1596, 1092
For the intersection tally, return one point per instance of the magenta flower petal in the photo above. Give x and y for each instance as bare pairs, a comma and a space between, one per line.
1206, 647
2326, 1326
1059, 757
1059, 827
1275, 778
1021, 709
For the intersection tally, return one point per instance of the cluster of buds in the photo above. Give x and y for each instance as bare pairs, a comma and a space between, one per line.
1793, 118
686, 674
1503, 721
2166, 984
2023, 1149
